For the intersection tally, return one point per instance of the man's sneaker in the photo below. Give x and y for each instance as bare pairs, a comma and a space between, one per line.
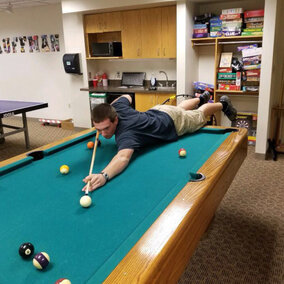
228, 108
204, 98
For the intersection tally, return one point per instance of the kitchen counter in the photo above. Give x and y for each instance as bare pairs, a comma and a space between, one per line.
143, 97
119, 89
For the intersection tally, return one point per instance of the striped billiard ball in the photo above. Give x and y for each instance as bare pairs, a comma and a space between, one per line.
63, 281
41, 260
182, 152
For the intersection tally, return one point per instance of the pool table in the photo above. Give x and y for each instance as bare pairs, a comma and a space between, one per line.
142, 226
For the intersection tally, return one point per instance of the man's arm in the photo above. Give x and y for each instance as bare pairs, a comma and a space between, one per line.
118, 163
124, 96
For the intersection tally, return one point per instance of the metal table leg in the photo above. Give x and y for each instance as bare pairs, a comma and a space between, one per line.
2, 139
25, 127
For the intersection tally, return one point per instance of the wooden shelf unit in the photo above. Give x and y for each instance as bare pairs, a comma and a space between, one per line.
226, 40
244, 93
218, 43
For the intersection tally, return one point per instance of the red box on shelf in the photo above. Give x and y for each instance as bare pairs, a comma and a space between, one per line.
254, 13
228, 87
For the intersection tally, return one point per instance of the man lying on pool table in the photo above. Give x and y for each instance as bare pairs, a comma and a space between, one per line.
134, 130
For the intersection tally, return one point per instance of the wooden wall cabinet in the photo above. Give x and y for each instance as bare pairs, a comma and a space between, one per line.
159, 32
131, 34
168, 49
151, 27
143, 101
93, 23
105, 22
145, 33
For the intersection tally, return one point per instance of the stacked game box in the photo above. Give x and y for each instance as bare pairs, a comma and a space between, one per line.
251, 57
229, 73
201, 25
215, 27
253, 22
247, 120
232, 21
200, 87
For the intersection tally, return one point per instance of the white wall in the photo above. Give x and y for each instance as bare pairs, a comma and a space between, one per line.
277, 84
74, 42
35, 76
150, 66
71, 6
187, 61
206, 65
266, 76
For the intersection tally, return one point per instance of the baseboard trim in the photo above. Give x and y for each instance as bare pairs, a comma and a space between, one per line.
260, 156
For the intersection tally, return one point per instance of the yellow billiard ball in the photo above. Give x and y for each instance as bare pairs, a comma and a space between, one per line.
64, 169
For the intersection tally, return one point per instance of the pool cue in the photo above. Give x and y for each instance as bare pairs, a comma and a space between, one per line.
93, 161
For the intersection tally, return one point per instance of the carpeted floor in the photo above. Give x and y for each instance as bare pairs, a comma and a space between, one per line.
39, 135
245, 241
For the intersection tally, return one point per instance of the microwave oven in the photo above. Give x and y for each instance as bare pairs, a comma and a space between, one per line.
105, 49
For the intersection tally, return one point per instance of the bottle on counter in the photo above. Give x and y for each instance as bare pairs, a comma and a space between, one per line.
153, 82
95, 82
105, 80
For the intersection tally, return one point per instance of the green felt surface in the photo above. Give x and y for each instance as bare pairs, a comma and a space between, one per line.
41, 206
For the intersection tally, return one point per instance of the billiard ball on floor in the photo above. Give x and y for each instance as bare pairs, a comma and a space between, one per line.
182, 152
64, 169
26, 250
90, 144
63, 281
41, 260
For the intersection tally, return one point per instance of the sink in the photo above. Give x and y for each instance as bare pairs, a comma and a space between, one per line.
130, 87
166, 88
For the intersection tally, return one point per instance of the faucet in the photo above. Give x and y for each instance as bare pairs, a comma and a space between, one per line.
167, 79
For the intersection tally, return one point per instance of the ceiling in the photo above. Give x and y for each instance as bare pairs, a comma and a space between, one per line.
9, 6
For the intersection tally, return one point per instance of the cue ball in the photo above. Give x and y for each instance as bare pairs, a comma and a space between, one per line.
26, 250
182, 152
63, 281
85, 201
64, 169
41, 260
90, 145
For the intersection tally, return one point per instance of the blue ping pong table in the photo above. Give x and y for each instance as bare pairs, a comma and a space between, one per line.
10, 108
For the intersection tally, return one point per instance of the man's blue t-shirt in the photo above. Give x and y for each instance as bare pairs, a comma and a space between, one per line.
136, 130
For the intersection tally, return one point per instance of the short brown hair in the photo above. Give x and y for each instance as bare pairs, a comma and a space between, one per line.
102, 112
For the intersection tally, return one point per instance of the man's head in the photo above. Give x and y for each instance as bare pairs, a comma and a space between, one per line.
105, 119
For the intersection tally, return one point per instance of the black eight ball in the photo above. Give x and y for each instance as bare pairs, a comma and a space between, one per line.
26, 250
